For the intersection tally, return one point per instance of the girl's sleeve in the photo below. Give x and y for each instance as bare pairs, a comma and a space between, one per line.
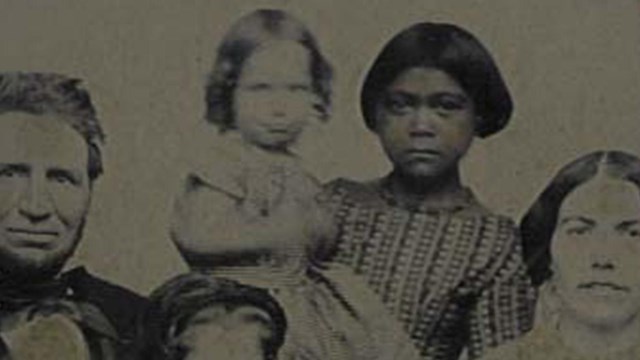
212, 161
504, 310
220, 172
207, 191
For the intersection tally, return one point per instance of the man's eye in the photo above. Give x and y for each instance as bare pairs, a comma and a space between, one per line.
63, 178
298, 88
7, 173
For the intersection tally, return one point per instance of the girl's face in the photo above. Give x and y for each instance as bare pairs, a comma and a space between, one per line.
425, 122
596, 253
274, 98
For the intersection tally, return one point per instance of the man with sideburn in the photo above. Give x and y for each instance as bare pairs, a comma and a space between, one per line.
50, 159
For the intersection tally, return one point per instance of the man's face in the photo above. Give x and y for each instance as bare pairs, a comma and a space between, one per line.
44, 192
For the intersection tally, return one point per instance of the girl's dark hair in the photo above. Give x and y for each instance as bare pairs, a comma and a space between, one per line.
539, 223
244, 37
178, 300
448, 48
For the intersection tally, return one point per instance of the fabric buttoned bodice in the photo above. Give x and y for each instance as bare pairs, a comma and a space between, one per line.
452, 274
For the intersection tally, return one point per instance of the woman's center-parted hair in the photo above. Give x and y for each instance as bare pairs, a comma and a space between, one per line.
58, 95
452, 50
248, 34
539, 223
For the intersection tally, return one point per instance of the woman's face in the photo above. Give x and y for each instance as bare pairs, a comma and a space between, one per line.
274, 98
425, 122
596, 253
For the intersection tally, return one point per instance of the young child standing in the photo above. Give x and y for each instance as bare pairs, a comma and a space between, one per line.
250, 213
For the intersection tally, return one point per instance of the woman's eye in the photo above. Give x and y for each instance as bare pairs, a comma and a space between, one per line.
577, 230
634, 232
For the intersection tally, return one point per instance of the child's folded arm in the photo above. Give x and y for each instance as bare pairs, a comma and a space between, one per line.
208, 221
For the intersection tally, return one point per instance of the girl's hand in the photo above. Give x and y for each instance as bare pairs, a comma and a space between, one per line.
312, 219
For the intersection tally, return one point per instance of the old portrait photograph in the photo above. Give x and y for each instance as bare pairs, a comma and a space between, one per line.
320, 180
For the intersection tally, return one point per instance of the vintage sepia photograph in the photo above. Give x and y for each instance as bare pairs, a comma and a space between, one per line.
320, 180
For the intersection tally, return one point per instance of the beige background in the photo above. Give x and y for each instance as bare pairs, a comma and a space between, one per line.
573, 67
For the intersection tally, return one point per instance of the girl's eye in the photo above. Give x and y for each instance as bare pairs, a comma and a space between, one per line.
448, 102
257, 87
398, 104
8, 173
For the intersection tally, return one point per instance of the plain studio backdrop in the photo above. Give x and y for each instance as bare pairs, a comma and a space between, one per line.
573, 67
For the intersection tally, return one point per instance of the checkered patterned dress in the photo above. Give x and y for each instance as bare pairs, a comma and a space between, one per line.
453, 275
